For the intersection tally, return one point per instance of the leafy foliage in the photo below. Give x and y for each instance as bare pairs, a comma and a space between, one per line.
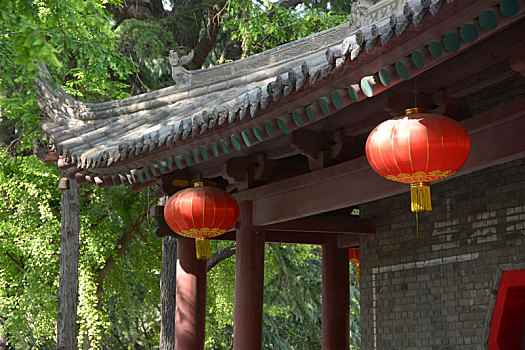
292, 300
29, 242
263, 25
94, 62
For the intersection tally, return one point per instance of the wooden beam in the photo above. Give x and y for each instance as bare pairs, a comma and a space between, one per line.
347, 241
295, 237
271, 236
325, 224
496, 137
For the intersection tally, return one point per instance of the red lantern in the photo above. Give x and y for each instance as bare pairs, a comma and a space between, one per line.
417, 149
201, 212
354, 259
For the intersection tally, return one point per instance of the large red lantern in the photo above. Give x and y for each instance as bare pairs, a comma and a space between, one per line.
201, 212
417, 149
354, 259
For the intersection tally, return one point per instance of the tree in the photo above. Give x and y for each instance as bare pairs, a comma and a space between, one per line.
96, 56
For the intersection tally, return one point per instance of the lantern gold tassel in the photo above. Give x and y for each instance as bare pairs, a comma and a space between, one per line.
420, 196
202, 247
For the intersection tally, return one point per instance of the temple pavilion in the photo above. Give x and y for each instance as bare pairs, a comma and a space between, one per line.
284, 132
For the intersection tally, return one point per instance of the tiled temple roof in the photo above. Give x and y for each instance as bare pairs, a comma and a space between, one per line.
215, 112
97, 135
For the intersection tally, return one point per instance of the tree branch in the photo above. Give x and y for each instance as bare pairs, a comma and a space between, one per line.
133, 9
14, 261
207, 42
129, 232
219, 256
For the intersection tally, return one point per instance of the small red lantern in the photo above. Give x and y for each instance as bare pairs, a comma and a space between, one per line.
417, 149
201, 212
354, 259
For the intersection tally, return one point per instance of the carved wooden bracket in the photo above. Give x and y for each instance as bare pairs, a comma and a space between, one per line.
238, 172
517, 61
173, 182
343, 147
265, 168
313, 145
449, 106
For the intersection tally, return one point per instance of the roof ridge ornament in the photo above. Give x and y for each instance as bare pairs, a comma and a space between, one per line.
180, 75
367, 12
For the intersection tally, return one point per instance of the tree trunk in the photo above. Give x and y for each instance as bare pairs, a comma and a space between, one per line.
4, 336
68, 277
167, 293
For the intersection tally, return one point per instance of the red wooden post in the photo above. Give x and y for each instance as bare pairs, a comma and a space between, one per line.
190, 312
249, 281
336, 298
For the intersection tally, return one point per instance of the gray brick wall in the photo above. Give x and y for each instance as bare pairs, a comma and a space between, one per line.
495, 96
432, 290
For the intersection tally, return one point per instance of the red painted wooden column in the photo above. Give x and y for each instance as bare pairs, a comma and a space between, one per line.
249, 282
336, 298
190, 311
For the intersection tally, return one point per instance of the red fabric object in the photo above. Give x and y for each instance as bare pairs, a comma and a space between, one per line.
418, 147
201, 212
508, 319
354, 255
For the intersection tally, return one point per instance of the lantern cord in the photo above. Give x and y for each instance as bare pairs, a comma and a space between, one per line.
417, 224
415, 92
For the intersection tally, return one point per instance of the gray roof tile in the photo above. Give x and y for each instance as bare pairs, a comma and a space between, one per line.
100, 134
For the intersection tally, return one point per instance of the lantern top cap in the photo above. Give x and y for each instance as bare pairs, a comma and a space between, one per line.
414, 110
198, 184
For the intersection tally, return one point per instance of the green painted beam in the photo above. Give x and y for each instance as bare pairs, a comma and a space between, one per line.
153, 170
402, 69
169, 163
418, 58
310, 111
214, 149
367, 87
353, 94
269, 128
452, 42
178, 162
187, 159
162, 168
488, 19
324, 105
246, 138
337, 98
283, 122
204, 153
236, 141
509, 8
146, 173
297, 117
258, 132
435, 48
195, 156
224, 145
469, 32
384, 76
